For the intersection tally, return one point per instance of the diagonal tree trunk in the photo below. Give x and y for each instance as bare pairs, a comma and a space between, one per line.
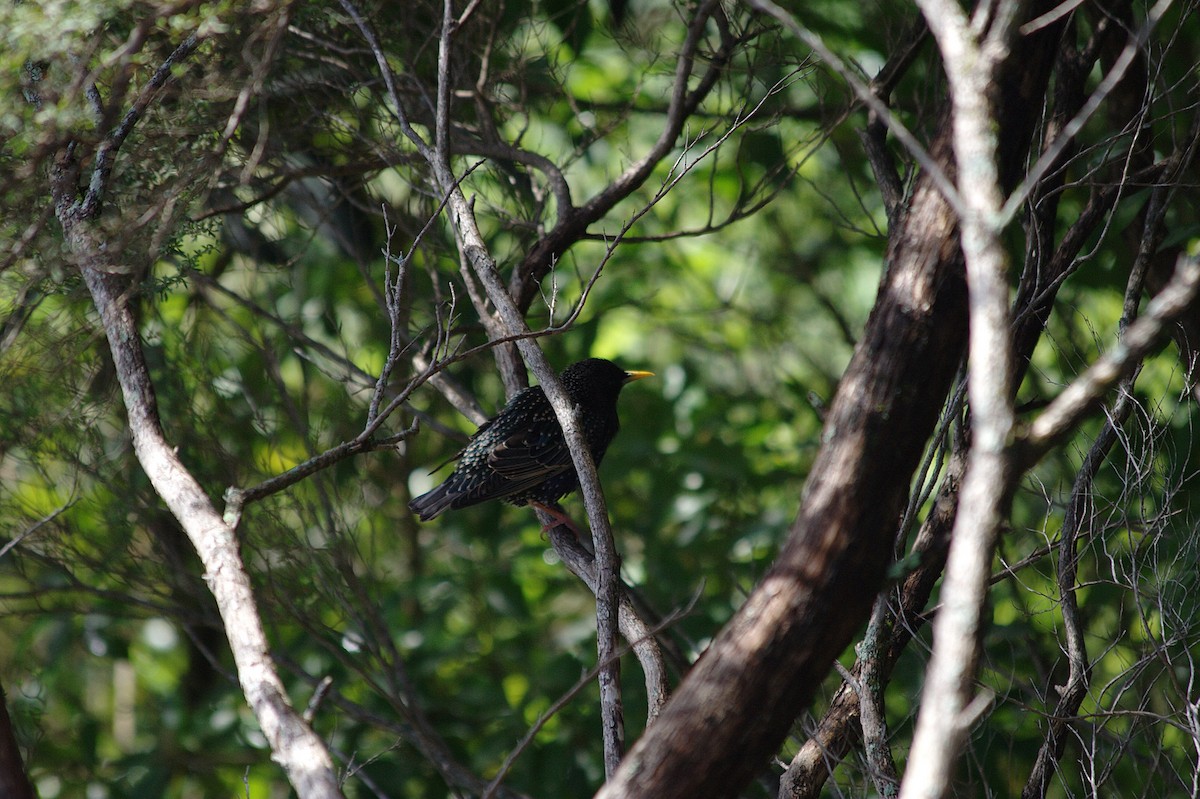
735, 707
738, 703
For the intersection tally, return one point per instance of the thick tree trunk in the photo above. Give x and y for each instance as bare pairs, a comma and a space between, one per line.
14, 783
739, 701
736, 706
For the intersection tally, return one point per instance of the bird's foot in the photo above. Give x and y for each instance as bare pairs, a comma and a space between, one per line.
561, 519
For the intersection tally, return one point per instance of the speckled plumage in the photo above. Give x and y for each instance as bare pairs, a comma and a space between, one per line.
520, 455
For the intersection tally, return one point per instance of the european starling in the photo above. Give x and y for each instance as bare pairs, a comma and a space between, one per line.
521, 456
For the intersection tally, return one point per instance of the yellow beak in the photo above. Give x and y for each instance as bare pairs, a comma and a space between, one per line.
631, 376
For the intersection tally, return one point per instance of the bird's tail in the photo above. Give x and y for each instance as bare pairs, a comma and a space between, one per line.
432, 503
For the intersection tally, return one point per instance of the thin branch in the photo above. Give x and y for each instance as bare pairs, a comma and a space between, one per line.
389, 81
1078, 522
872, 656
107, 152
236, 498
874, 136
682, 104
947, 708
354, 376
393, 285
16, 540
868, 97
501, 151
1050, 17
1110, 82
1079, 398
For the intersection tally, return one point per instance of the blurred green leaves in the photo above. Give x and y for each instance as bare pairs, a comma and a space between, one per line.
262, 259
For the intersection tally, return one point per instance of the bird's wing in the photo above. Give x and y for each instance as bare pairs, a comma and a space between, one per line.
528, 457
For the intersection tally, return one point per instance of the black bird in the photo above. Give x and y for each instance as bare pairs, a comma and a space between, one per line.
521, 456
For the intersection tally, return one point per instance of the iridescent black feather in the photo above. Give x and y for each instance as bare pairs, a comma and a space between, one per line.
520, 455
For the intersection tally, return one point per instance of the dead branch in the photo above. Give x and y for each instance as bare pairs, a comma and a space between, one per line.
294, 745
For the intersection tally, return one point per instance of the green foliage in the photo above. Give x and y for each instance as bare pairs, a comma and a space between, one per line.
260, 278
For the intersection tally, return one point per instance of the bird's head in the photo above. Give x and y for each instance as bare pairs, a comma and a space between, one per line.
597, 380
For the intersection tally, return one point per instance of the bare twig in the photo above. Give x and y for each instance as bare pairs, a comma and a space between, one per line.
874, 136
393, 286
501, 151
1110, 82
868, 97
236, 499
389, 80
16, 540
106, 153
686, 95
1142, 336
1079, 521
318, 696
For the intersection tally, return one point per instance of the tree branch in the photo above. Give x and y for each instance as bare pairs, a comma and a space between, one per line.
106, 153
972, 61
868, 97
814, 762
473, 250
571, 227
872, 655
737, 703
1079, 398
1077, 522
633, 627
1111, 80
294, 745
